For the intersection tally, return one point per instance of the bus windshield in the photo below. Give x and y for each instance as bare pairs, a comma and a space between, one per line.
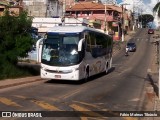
61, 50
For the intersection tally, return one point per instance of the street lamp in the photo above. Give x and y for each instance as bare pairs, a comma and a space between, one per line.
64, 11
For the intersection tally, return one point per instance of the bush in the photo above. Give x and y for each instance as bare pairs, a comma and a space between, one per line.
15, 41
15, 71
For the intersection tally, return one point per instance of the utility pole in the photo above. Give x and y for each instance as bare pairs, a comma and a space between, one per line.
133, 18
105, 12
105, 21
123, 25
159, 69
141, 19
63, 13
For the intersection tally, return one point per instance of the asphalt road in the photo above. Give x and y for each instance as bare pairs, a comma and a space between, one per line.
123, 89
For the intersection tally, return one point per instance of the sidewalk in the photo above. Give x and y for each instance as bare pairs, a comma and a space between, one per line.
19, 81
119, 45
153, 102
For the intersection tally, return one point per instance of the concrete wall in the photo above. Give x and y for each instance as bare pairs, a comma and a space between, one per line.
43, 24
36, 8
43, 8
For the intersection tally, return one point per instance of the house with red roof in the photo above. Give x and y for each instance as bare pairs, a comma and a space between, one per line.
105, 17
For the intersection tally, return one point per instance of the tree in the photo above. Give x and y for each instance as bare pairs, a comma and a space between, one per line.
15, 40
157, 8
145, 19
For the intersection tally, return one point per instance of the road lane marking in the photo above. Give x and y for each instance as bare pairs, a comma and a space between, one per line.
50, 107
124, 71
19, 96
83, 110
9, 102
88, 104
96, 118
45, 105
130, 118
71, 93
54, 99
79, 108
134, 100
84, 118
42, 104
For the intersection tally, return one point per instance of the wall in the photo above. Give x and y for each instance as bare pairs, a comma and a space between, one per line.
43, 24
43, 8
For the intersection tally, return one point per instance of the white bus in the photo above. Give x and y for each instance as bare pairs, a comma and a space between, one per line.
74, 53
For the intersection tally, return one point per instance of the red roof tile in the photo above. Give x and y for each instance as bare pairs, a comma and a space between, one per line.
92, 6
86, 6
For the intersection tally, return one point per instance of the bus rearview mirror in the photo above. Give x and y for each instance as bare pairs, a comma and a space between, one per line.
80, 45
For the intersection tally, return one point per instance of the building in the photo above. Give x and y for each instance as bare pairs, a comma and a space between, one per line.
43, 8
109, 17
2, 7
44, 24
14, 9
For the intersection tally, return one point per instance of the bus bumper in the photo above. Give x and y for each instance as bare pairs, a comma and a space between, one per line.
67, 76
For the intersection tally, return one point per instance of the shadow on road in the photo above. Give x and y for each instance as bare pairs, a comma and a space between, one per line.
33, 69
153, 83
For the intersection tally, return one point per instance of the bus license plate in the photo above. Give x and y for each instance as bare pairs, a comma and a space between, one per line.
57, 76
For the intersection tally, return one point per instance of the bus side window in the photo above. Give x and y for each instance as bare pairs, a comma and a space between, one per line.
109, 44
100, 48
87, 37
82, 53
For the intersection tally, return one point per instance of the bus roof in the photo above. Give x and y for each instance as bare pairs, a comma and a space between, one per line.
70, 29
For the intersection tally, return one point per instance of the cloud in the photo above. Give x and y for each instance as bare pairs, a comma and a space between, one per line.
145, 6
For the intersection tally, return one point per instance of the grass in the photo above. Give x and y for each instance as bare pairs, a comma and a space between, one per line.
18, 71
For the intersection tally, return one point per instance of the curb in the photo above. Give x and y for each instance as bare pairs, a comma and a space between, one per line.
19, 81
152, 100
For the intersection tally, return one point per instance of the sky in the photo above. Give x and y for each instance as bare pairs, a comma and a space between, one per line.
141, 7
145, 6
119, 1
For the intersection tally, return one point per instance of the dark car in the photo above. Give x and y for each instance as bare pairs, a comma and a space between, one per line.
131, 46
150, 31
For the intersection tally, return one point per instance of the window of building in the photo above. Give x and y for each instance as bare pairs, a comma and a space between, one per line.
77, 13
1, 9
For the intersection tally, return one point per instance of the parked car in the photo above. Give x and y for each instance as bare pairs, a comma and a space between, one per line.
150, 31
131, 46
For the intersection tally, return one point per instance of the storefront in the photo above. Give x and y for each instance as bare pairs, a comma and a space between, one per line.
117, 30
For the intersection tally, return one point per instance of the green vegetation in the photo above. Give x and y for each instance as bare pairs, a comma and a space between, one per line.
145, 18
15, 41
157, 8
